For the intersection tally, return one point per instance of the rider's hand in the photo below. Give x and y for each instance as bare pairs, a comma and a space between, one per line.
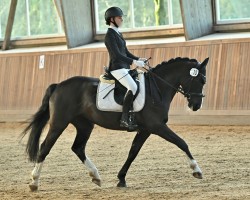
139, 63
143, 59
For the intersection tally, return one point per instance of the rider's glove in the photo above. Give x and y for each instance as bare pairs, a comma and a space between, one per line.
139, 63
143, 59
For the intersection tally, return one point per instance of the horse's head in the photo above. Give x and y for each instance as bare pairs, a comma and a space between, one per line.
193, 85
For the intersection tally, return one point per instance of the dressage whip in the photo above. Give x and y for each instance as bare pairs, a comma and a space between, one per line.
123, 77
112, 83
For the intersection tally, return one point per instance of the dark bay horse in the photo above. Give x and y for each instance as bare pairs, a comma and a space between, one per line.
74, 101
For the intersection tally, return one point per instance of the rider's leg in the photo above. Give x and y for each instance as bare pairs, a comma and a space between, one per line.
123, 76
126, 80
128, 100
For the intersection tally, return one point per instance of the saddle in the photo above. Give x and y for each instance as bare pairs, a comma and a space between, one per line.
119, 89
110, 92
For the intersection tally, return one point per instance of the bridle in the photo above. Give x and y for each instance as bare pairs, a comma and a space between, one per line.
179, 89
189, 94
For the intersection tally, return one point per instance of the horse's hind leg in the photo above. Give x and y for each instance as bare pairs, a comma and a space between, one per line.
138, 141
52, 136
166, 133
84, 129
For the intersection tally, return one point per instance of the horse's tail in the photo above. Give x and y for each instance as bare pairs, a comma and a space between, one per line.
37, 124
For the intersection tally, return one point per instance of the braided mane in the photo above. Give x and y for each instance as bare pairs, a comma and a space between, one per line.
173, 60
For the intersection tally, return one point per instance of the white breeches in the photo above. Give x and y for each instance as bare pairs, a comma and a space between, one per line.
125, 79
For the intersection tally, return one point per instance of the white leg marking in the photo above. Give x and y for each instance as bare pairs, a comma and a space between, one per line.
197, 173
194, 166
35, 175
93, 171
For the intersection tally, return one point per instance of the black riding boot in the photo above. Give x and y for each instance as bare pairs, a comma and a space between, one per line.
127, 104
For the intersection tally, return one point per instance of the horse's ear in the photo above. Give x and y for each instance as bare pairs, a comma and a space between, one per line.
204, 63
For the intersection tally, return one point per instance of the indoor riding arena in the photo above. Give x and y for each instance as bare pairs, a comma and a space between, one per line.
44, 42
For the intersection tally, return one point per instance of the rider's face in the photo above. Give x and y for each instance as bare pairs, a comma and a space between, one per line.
119, 20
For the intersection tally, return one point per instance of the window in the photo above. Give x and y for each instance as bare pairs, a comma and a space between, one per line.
140, 14
232, 11
4, 12
32, 18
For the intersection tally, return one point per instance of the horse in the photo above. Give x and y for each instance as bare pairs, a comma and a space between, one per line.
73, 101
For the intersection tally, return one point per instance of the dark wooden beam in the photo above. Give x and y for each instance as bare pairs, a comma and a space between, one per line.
197, 17
232, 27
145, 34
6, 42
38, 41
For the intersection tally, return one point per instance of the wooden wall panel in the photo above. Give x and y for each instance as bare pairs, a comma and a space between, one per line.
197, 17
77, 20
22, 83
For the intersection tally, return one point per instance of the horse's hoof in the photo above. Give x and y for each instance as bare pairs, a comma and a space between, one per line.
33, 188
121, 184
197, 175
97, 181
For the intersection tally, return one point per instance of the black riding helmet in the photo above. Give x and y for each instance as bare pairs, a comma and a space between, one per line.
111, 13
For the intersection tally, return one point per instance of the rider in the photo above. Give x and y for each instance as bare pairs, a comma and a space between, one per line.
120, 61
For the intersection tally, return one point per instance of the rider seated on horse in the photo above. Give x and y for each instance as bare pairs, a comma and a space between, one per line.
120, 61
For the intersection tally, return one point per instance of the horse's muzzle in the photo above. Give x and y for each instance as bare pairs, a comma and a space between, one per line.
194, 107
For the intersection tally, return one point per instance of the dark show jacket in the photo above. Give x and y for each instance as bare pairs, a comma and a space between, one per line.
119, 55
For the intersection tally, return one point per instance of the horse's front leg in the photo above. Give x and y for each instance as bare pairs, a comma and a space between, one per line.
138, 141
166, 133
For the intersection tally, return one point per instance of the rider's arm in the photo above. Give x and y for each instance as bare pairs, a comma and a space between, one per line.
130, 55
115, 51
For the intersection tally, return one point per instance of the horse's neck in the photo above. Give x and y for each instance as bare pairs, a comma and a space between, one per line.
170, 74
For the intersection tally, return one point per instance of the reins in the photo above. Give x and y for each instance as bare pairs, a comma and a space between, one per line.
177, 89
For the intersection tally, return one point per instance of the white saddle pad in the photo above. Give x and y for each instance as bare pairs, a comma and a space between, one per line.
109, 104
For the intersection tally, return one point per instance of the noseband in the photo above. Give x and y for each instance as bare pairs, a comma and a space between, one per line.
189, 94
